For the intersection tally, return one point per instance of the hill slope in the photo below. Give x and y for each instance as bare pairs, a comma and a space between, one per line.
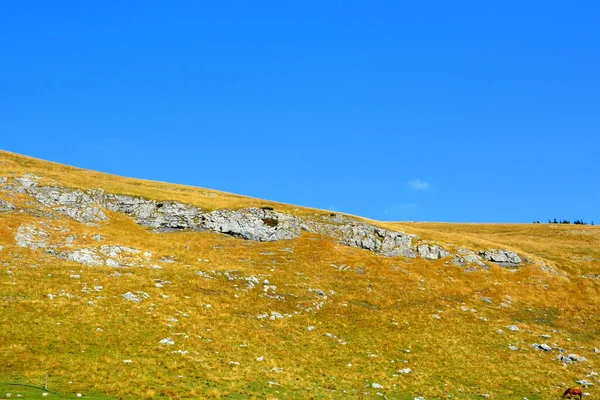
121, 288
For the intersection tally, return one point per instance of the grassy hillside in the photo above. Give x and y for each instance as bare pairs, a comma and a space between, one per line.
351, 320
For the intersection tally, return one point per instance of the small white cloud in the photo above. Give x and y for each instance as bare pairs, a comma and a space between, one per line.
417, 184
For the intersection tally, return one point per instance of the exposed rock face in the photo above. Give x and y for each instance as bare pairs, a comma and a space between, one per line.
71, 202
258, 224
431, 252
252, 224
469, 260
6, 206
504, 258
365, 236
167, 215
32, 237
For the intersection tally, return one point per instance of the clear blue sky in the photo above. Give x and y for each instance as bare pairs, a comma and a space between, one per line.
396, 110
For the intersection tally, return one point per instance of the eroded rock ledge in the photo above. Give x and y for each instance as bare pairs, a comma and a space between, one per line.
258, 224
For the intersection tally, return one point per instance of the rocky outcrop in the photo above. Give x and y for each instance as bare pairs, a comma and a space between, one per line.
503, 258
32, 237
257, 224
6, 206
73, 203
431, 252
84, 256
115, 256
160, 215
365, 236
468, 260
252, 224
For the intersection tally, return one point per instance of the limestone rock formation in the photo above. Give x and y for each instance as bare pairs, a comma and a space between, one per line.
32, 237
258, 224
503, 258
6, 206
431, 252
73, 203
163, 216
468, 260
252, 224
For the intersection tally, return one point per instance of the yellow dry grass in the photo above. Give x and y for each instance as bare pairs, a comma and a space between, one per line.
379, 316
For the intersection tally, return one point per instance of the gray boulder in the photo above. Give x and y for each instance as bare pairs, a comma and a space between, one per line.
6, 206
431, 252
543, 347
503, 258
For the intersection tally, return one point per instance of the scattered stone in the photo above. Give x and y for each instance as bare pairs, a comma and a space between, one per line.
513, 348
376, 386
405, 371
542, 346
576, 357
75, 276
261, 358
204, 275
310, 328
127, 361
131, 297
487, 300
6, 206
513, 328
167, 341
585, 383
86, 257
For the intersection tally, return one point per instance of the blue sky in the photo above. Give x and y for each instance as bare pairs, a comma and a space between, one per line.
395, 110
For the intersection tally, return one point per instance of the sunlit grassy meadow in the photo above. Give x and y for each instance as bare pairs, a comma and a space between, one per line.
359, 326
